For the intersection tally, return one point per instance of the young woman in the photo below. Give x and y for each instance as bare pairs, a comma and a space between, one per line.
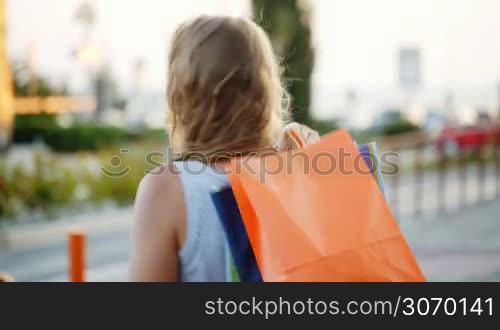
225, 98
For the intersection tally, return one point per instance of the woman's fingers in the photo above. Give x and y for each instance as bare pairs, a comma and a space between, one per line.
295, 136
309, 135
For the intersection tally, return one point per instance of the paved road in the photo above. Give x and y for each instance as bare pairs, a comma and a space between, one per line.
107, 257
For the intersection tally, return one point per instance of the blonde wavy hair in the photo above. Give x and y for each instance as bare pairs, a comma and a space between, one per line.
224, 88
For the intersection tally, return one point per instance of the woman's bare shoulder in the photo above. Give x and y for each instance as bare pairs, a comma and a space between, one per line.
160, 182
159, 201
159, 226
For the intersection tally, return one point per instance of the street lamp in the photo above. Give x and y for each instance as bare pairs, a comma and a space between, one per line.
91, 55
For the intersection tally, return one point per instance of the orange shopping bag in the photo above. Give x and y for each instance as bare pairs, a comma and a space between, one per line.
320, 217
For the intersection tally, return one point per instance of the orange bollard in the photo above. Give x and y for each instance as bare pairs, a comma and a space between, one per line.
76, 256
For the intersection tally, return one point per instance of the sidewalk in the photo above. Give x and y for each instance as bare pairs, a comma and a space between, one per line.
458, 246
100, 221
40, 252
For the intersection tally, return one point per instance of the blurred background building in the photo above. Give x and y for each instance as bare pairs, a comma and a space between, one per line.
423, 57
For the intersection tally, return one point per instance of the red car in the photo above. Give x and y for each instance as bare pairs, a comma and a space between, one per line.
467, 138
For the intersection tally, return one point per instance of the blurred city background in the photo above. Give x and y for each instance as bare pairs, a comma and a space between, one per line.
82, 87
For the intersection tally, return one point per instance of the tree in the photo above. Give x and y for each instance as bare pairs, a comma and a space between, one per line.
27, 83
288, 26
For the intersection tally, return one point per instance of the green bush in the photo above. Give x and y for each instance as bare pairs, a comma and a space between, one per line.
86, 137
121, 189
323, 126
45, 186
392, 122
81, 136
29, 128
77, 137
55, 181
399, 127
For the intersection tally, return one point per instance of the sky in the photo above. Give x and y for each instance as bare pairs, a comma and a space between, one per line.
126, 31
463, 34
356, 44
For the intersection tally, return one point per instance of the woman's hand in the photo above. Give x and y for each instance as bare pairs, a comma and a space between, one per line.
295, 136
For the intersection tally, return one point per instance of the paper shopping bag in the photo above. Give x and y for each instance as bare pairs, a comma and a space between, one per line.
325, 220
240, 259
